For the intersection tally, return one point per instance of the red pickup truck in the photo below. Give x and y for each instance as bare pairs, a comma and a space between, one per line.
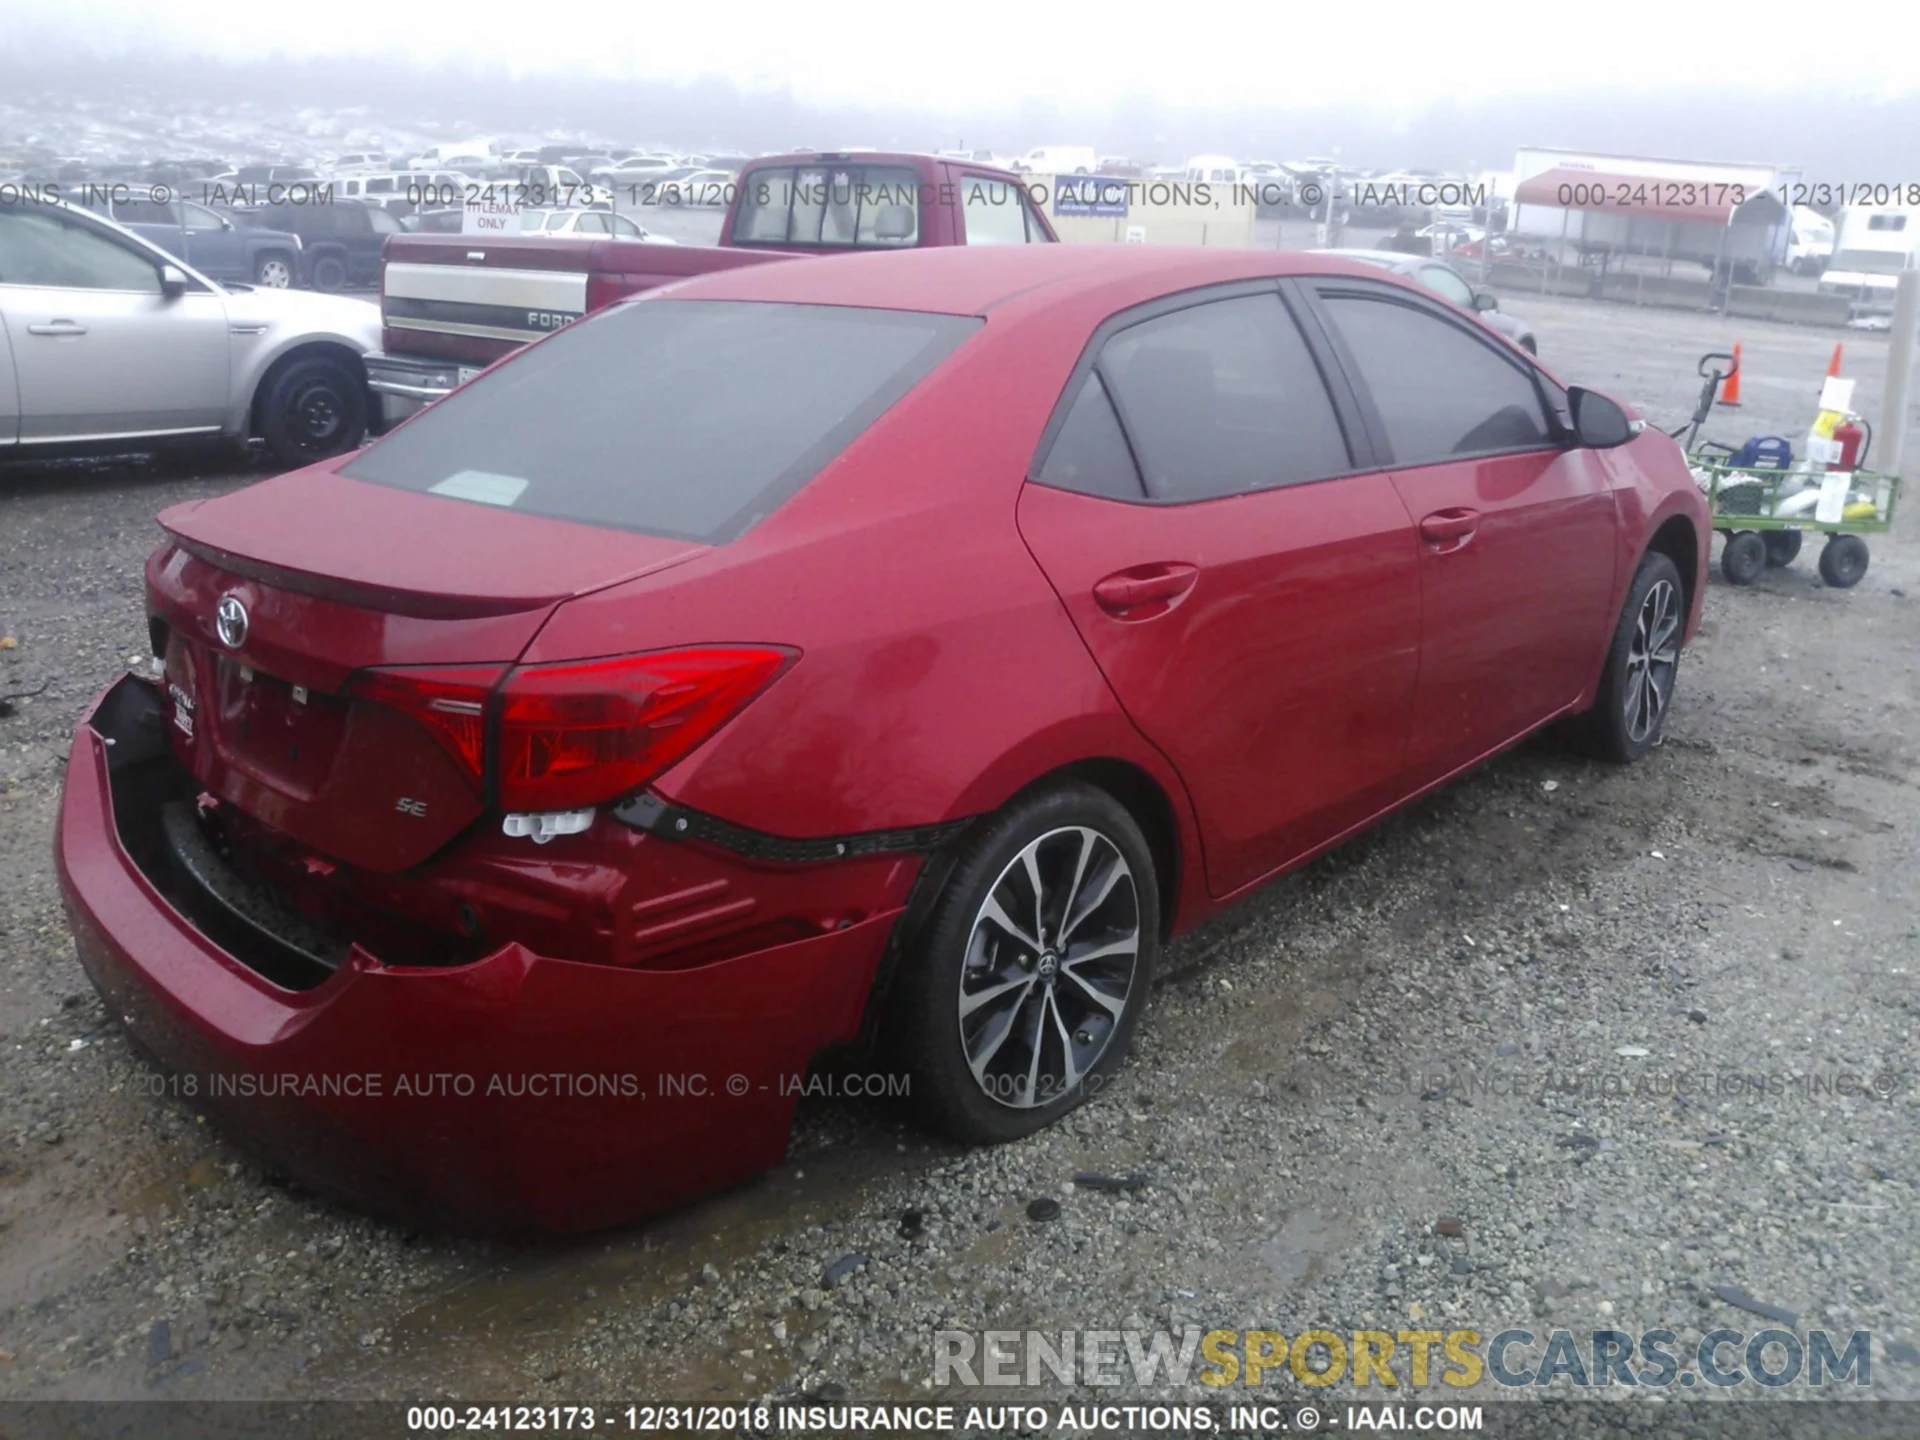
452, 304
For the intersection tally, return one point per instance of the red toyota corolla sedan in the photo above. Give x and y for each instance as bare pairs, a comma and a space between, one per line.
892, 648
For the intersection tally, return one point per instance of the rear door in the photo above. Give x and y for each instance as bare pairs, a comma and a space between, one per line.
98, 351
1517, 531
1201, 505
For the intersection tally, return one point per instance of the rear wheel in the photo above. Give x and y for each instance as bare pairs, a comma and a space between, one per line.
1643, 663
329, 273
1782, 546
1743, 558
1843, 561
1021, 991
310, 409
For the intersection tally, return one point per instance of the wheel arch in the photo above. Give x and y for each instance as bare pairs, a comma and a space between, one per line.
1137, 791
345, 356
1678, 540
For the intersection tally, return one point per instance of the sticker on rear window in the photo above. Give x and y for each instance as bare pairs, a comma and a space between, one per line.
481, 485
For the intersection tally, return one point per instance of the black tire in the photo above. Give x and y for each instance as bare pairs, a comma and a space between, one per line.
274, 269
329, 273
1782, 546
1843, 561
1617, 727
1530, 345
1743, 558
310, 409
928, 1027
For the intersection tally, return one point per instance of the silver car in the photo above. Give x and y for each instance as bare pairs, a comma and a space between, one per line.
1450, 285
108, 343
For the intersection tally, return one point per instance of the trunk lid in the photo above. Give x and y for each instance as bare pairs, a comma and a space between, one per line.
322, 578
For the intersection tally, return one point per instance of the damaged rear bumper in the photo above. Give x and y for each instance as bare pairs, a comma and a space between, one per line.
515, 1092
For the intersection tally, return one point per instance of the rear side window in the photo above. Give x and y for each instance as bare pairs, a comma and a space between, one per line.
1090, 453
1442, 394
689, 418
1223, 398
869, 206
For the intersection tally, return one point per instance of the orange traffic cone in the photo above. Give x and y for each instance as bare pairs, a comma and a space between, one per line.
1833, 365
1730, 387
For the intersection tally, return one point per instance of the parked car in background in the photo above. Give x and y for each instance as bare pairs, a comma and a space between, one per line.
1809, 242
635, 170
401, 192
209, 241
434, 222
592, 768
276, 174
587, 225
1450, 285
340, 243
558, 185
1059, 160
362, 160
113, 344
700, 187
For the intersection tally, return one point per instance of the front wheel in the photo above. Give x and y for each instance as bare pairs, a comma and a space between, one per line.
1019, 995
1743, 558
1843, 561
311, 409
274, 271
1643, 662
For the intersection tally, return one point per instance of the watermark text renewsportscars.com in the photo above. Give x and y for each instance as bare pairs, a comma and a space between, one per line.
1513, 1359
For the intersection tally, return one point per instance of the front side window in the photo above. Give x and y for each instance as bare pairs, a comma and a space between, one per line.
199, 217
44, 247
869, 206
740, 403
1223, 398
1442, 393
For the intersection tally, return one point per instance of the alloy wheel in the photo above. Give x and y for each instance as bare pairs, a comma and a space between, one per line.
1653, 658
1049, 967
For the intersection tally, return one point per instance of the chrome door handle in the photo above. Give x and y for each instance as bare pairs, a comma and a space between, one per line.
57, 327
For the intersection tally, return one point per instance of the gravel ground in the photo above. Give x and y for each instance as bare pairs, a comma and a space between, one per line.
1475, 1013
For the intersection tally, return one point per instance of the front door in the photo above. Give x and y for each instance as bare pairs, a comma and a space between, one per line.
99, 352
1252, 600
1517, 530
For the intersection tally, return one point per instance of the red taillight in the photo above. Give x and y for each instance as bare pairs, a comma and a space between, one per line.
450, 700
577, 733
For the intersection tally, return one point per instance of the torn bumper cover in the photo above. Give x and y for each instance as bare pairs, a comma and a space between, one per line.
514, 1092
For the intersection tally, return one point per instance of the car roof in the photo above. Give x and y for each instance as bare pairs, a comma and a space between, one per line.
972, 280
1398, 259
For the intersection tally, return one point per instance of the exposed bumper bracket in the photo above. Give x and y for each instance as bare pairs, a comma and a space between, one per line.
654, 815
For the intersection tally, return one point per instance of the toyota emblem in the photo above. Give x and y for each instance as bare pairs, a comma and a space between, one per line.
230, 622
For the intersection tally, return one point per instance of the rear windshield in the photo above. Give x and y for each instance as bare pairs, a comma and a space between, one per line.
839, 205
687, 418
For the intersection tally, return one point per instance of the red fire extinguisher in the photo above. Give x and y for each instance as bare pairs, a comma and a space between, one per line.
1853, 437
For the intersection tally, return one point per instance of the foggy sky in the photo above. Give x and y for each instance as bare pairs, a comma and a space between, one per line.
1458, 90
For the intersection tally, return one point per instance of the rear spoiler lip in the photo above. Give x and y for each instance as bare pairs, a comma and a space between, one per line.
396, 600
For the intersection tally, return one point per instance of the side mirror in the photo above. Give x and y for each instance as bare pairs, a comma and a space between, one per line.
1485, 300
173, 281
1598, 423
